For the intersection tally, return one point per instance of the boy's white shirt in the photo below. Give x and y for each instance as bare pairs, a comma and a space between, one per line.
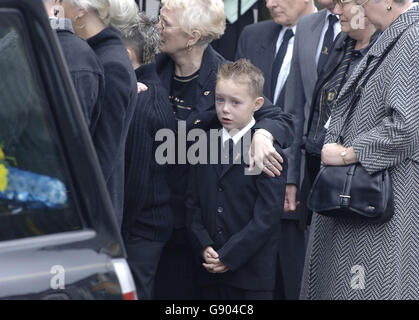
239, 134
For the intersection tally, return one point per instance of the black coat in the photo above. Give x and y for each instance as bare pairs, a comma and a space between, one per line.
204, 116
226, 45
257, 43
239, 216
87, 74
147, 195
118, 107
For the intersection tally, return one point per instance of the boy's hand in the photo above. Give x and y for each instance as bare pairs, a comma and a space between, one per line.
210, 255
218, 267
212, 262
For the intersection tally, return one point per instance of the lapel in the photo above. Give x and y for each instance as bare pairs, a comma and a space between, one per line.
205, 95
335, 59
266, 56
311, 42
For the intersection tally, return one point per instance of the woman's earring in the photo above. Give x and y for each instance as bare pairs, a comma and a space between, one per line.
77, 24
188, 47
389, 8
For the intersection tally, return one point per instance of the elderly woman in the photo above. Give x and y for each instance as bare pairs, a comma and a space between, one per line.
347, 260
94, 20
187, 68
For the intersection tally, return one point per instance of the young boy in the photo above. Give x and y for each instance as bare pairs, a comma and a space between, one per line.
234, 217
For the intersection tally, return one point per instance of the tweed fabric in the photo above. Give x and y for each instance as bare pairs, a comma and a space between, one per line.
347, 260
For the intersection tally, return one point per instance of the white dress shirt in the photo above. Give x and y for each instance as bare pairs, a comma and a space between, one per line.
286, 64
239, 134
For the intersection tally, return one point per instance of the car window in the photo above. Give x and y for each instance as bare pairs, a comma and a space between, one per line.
36, 196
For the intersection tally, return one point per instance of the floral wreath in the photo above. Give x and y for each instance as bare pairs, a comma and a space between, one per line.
4, 163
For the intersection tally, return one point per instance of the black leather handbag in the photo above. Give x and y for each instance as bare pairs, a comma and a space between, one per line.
349, 191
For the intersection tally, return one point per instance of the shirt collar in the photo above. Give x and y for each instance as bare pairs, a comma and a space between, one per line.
239, 134
328, 13
61, 24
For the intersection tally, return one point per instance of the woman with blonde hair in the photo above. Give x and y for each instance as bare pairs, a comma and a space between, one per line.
187, 68
94, 21
374, 122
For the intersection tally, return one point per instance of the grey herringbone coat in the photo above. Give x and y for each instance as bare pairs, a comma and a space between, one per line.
360, 261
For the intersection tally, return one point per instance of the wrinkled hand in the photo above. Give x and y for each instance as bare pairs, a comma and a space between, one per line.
141, 87
290, 204
331, 154
263, 154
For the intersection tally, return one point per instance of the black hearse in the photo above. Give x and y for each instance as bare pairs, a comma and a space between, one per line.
58, 234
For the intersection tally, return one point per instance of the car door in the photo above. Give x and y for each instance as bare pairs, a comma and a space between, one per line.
58, 233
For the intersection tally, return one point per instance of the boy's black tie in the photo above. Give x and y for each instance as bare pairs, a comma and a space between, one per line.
225, 155
327, 42
279, 59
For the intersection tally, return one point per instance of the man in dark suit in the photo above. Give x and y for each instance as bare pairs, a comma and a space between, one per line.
314, 40
269, 45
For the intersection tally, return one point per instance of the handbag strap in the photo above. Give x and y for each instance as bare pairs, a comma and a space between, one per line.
361, 87
345, 197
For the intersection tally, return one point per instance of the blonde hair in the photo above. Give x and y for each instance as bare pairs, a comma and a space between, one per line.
112, 12
245, 72
205, 16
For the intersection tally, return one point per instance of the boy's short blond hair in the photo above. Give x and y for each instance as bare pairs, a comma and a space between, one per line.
245, 72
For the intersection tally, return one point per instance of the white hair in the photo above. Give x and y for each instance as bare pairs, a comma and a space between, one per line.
111, 12
205, 16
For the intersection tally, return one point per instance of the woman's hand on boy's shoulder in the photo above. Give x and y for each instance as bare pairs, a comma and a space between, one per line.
264, 155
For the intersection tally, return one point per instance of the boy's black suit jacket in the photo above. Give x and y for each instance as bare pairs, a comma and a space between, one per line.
204, 117
239, 216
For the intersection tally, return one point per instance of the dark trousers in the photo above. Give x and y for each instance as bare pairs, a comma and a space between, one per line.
313, 166
290, 263
312, 169
223, 292
143, 259
176, 274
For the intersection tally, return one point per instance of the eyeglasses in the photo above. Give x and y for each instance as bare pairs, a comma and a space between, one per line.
164, 25
342, 2
362, 4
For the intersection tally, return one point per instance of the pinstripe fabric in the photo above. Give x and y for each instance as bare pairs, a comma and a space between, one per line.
384, 130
